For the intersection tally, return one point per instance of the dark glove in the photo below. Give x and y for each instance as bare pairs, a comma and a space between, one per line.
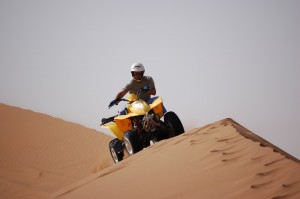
113, 103
145, 88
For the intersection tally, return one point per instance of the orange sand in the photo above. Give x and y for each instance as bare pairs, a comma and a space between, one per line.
40, 154
43, 157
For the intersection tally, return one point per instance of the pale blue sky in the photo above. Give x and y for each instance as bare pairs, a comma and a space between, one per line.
210, 60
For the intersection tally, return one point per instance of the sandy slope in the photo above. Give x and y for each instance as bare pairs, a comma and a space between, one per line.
44, 157
220, 160
40, 154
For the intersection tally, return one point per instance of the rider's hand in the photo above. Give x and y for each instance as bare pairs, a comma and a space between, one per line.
115, 101
146, 88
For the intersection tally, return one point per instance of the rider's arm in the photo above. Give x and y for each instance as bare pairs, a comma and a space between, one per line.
121, 94
151, 84
152, 91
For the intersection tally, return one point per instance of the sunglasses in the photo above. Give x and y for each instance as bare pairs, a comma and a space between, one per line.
136, 73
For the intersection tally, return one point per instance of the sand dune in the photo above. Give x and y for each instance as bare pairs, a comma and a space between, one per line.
65, 160
220, 160
40, 154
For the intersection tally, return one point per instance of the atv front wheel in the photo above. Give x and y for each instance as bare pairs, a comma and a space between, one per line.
116, 150
175, 125
132, 142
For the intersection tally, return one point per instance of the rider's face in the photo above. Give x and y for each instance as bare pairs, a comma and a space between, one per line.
137, 75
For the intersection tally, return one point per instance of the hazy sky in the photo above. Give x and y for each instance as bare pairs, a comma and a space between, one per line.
209, 59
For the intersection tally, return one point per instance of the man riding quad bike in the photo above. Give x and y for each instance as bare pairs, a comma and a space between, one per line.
141, 124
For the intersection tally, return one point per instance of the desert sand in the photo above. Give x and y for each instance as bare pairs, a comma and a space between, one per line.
40, 154
45, 157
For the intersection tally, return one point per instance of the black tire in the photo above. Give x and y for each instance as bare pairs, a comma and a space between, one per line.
132, 142
175, 125
116, 150
161, 135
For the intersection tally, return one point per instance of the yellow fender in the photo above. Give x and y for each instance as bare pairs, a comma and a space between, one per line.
157, 107
114, 129
123, 123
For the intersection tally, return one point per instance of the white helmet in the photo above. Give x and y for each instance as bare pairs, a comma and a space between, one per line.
137, 67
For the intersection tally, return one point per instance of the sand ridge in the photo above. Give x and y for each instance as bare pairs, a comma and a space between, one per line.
216, 161
46, 157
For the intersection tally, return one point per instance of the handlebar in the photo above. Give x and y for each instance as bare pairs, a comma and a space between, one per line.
117, 102
110, 119
142, 90
107, 120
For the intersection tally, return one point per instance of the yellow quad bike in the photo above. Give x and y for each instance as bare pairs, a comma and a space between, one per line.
142, 123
